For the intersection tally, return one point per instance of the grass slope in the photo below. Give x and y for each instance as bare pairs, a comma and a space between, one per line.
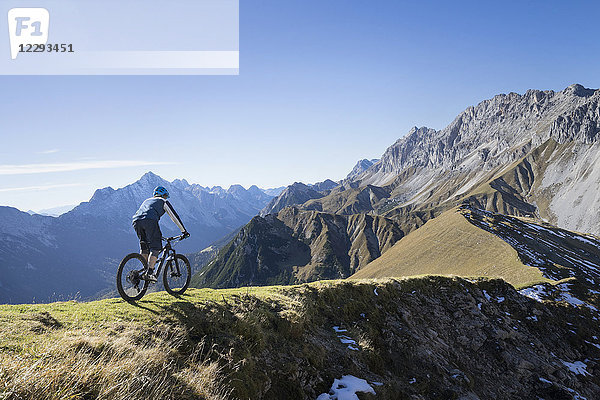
425, 338
450, 245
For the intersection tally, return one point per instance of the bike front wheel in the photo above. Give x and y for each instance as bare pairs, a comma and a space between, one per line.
177, 275
129, 282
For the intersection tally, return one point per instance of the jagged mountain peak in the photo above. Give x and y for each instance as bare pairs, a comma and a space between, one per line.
325, 186
502, 129
256, 191
579, 90
150, 176
360, 167
300, 245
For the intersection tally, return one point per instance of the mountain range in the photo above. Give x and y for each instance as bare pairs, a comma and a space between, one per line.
75, 255
530, 155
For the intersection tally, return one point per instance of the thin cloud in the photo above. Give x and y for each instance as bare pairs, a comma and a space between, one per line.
51, 151
42, 187
22, 169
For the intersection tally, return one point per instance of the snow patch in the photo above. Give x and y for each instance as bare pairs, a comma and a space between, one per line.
576, 396
593, 344
577, 367
346, 340
375, 291
346, 389
537, 292
352, 345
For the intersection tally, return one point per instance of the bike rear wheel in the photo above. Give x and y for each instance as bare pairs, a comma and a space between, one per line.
129, 282
177, 275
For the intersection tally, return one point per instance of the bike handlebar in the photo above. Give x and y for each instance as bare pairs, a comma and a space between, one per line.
178, 237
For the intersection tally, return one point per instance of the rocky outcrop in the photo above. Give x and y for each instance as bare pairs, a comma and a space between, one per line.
421, 339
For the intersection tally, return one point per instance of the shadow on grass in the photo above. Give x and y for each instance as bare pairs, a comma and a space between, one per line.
195, 317
138, 305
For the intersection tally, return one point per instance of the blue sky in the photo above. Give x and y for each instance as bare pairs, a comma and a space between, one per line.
321, 85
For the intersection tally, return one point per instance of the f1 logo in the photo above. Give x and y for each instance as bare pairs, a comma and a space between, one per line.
27, 26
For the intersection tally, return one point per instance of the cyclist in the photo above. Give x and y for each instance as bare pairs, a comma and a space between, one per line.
145, 223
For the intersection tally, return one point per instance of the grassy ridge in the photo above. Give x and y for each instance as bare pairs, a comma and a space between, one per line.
278, 342
450, 245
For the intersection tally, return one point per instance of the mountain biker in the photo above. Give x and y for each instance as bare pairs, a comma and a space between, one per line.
145, 223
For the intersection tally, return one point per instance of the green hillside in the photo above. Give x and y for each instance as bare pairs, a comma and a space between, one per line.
425, 338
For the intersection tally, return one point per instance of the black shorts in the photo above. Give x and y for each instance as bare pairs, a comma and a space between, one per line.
149, 233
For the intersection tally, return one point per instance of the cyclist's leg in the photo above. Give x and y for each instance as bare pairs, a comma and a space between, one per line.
152, 260
138, 226
154, 243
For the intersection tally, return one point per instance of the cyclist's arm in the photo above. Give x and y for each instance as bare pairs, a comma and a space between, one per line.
173, 215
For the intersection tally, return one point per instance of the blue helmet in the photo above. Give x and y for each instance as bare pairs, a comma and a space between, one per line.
161, 192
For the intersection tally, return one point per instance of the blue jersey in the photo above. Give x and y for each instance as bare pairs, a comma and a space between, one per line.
154, 208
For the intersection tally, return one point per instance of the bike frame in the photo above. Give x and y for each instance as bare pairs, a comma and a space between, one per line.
167, 254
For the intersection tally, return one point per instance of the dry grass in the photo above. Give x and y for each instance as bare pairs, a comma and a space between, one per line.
450, 245
121, 363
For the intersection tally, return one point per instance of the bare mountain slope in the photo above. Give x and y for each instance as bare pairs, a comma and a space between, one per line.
299, 246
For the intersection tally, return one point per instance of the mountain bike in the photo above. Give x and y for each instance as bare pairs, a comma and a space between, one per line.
176, 277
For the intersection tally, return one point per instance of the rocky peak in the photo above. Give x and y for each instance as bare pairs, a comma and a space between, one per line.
579, 90
503, 127
360, 167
